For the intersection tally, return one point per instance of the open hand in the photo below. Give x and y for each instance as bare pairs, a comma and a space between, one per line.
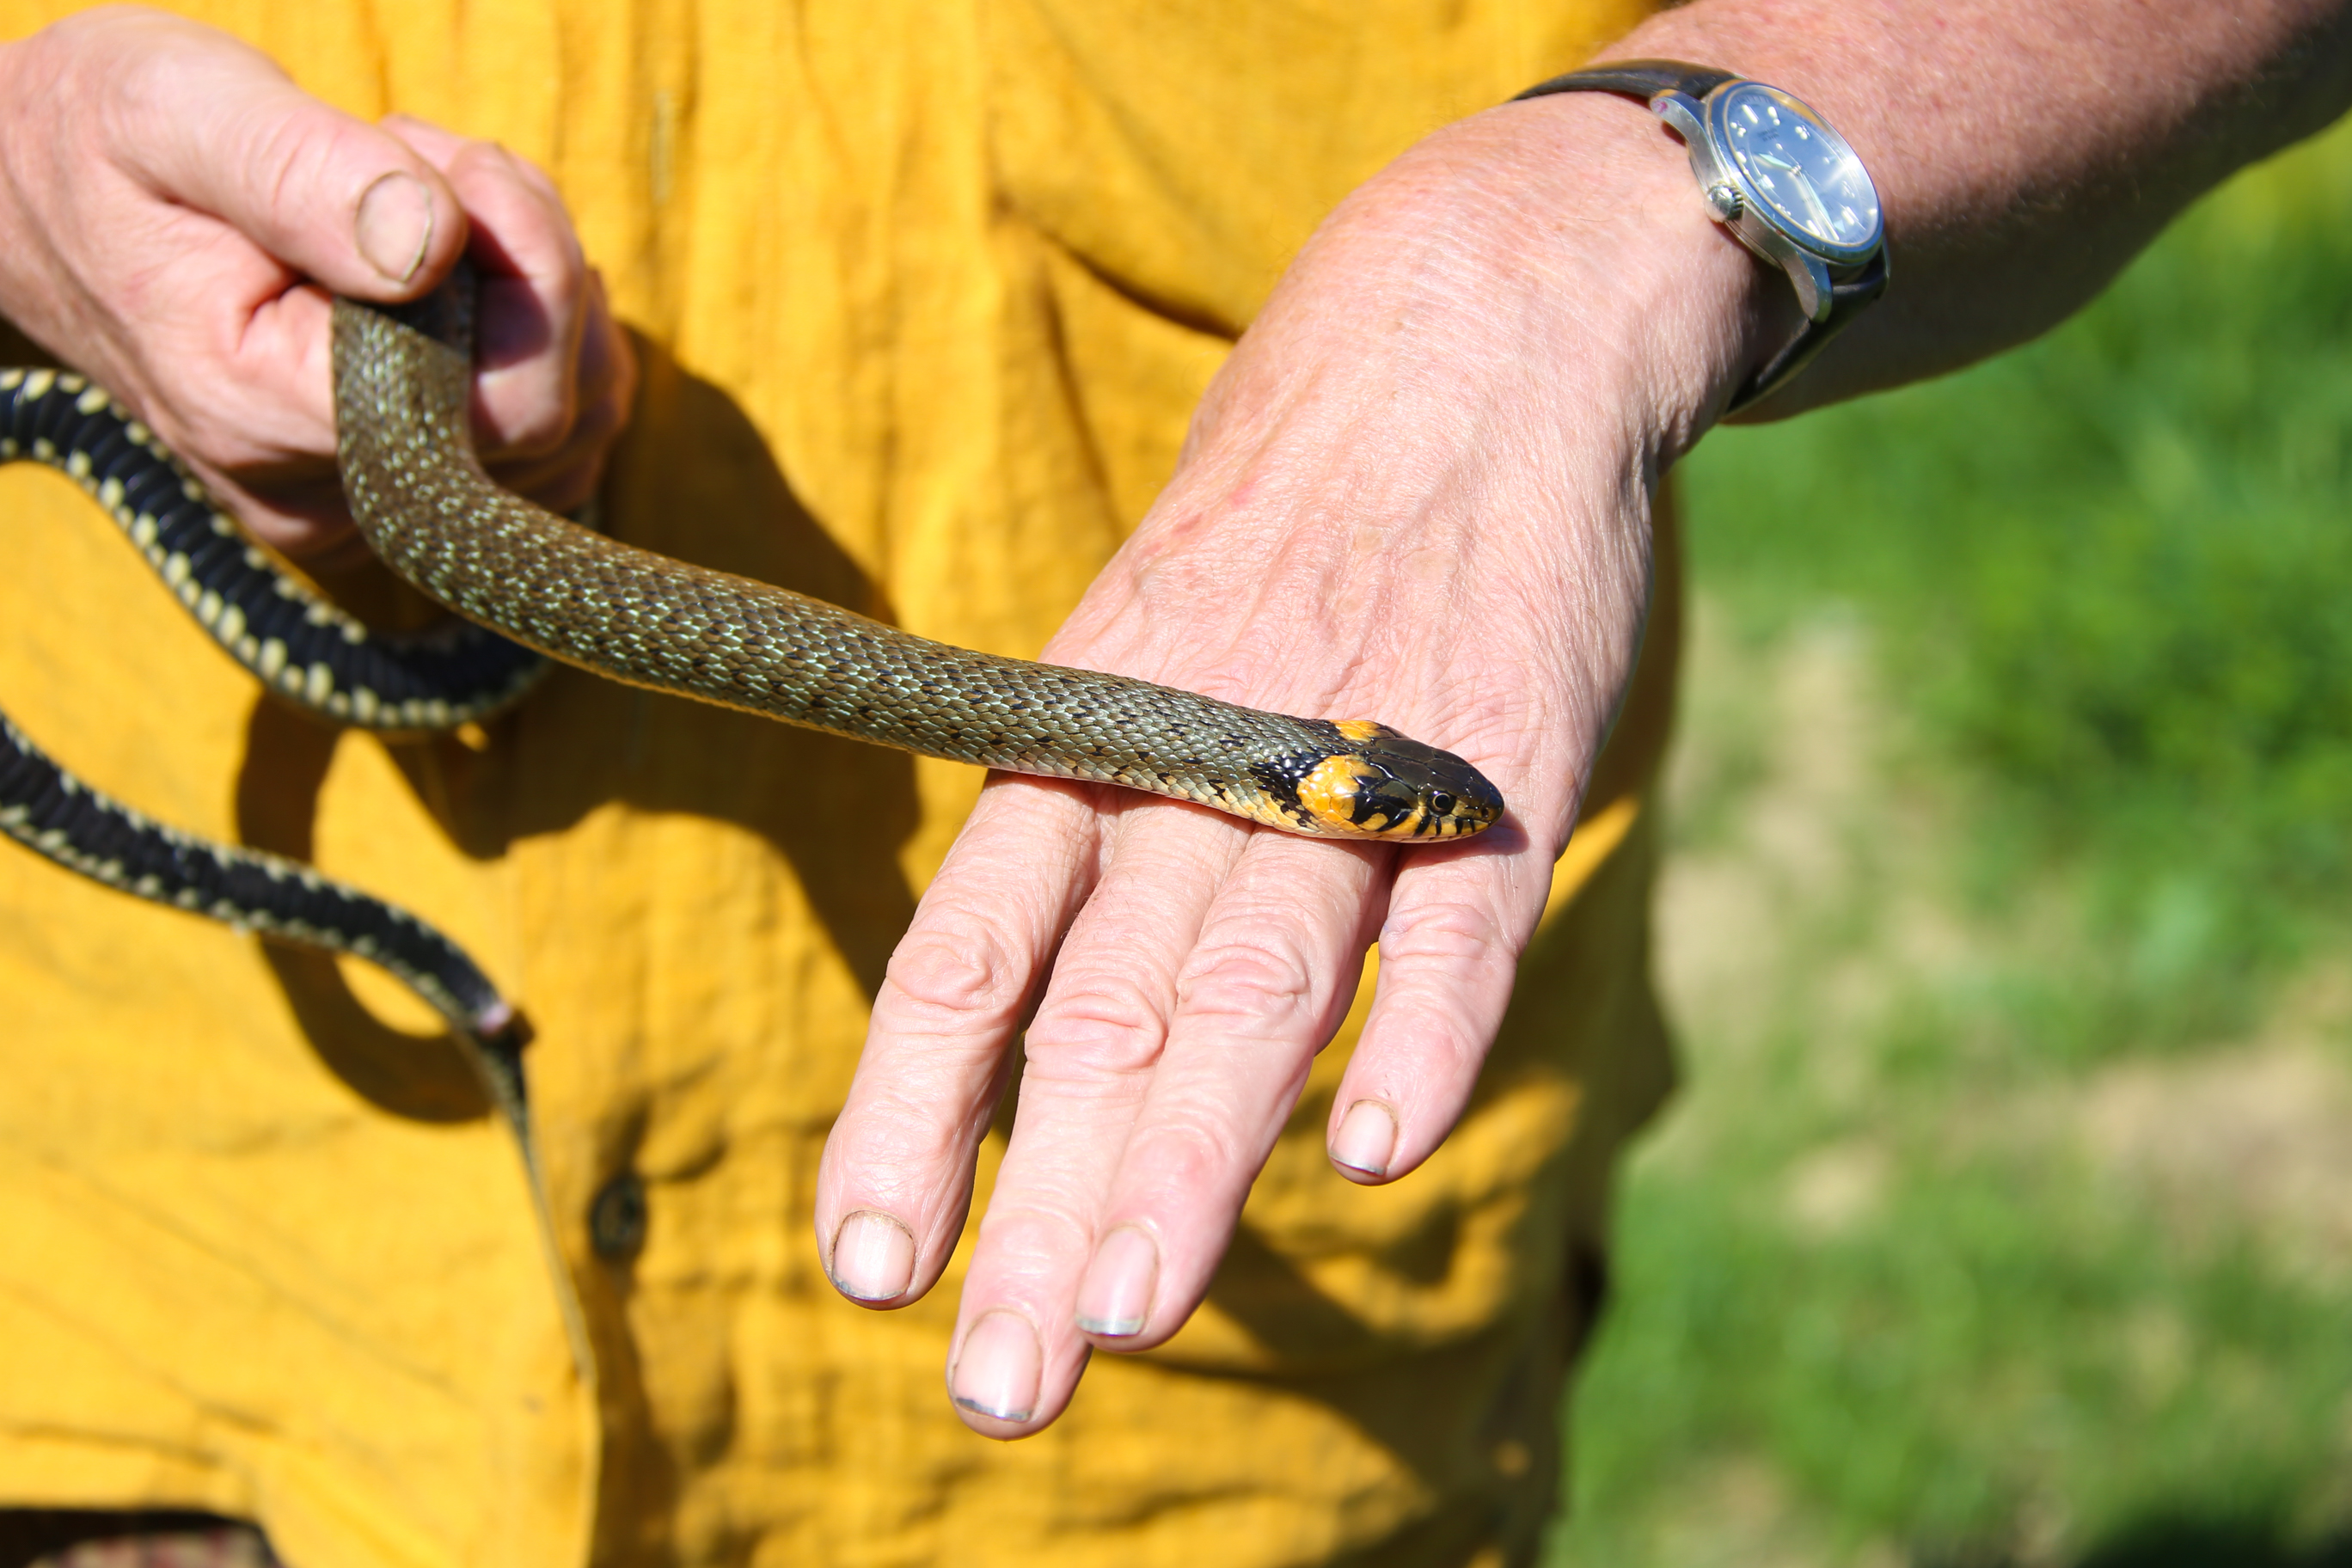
1418, 492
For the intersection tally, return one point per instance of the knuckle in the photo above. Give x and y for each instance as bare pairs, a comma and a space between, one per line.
1268, 980
1101, 1027
1195, 1157
531, 411
910, 1136
301, 155
1039, 1232
207, 437
123, 73
500, 161
1450, 933
539, 419
522, 206
956, 970
247, 427
533, 400
597, 424
536, 181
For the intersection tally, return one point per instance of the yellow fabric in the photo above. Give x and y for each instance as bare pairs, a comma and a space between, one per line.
926, 293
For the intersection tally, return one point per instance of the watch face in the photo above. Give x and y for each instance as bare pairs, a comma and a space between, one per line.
1797, 169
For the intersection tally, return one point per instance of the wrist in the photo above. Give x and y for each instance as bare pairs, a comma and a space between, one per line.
1588, 199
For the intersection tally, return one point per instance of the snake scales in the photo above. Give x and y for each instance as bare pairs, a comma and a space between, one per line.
402, 378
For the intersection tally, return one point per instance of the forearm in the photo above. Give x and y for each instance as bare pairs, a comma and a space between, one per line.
2024, 152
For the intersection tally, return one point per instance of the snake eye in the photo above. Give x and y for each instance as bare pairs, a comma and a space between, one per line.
1441, 803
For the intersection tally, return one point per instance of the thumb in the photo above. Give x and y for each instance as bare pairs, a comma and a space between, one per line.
215, 124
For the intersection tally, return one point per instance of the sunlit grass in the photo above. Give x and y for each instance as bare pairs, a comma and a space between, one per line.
2024, 705
2111, 575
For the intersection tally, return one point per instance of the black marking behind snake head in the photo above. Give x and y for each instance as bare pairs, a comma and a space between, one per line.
1373, 782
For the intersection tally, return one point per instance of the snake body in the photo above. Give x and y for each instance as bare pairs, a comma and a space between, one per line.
302, 648
401, 389
401, 397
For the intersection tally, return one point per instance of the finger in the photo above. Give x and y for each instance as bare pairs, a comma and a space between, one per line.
1266, 985
1457, 923
1092, 1050
563, 480
215, 125
539, 301
895, 1183
536, 303
607, 371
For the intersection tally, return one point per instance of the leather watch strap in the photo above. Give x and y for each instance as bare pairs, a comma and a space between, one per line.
1645, 79
1847, 296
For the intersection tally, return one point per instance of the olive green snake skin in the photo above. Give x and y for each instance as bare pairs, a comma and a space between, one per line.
402, 381
528, 577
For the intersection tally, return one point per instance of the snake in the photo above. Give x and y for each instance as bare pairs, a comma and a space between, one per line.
529, 587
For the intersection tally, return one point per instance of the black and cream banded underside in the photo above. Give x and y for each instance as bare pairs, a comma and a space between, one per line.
302, 648
423, 501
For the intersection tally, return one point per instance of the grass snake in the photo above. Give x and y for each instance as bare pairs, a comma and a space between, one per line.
547, 586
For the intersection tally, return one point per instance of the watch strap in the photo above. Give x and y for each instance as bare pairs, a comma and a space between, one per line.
1847, 296
1645, 79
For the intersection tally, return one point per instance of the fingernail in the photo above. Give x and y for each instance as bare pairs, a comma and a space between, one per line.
873, 1257
1367, 1140
998, 1372
396, 225
1115, 1299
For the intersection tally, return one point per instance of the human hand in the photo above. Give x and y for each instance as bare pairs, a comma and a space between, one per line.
1419, 492
174, 214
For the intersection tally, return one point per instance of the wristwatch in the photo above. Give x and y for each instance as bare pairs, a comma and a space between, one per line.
1779, 178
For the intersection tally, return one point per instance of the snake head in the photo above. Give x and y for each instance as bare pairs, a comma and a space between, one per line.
1376, 783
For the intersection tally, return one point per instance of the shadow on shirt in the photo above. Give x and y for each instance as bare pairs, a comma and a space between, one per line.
692, 479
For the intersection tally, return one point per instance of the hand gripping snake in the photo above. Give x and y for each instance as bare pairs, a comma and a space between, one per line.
548, 586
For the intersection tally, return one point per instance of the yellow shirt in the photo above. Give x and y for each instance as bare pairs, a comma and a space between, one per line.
925, 294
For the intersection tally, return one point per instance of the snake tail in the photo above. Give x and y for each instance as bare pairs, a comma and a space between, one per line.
55, 815
402, 416
304, 651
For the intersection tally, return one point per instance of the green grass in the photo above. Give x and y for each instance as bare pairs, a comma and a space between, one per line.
2113, 573
2023, 712
1951, 1377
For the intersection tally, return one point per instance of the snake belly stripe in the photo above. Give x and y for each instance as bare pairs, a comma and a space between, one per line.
402, 382
303, 650
402, 400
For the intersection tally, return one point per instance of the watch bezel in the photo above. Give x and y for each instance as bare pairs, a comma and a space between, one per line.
1716, 109
1832, 281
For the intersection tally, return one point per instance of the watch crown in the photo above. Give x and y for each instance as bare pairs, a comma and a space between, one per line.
1723, 200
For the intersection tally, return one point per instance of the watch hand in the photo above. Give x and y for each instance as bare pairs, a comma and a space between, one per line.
1820, 211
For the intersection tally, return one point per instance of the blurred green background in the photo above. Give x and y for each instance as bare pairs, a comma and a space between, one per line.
2006, 1216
